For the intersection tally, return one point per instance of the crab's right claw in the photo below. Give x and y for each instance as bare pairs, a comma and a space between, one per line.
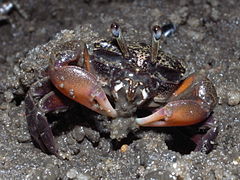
82, 86
177, 113
190, 104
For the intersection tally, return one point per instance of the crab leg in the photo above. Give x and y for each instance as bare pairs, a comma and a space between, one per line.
191, 103
204, 141
81, 86
35, 113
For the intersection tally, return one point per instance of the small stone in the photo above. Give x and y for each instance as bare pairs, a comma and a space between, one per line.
23, 137
70, 140
50, 173
75, 174
82, 176
233, 98
72, 173
78, 133
124, 148
163, 174
92, 135
194, 22
215, 14
197, 36
8, 95
4, 106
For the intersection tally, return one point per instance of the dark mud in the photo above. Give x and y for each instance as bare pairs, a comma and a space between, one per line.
207, 36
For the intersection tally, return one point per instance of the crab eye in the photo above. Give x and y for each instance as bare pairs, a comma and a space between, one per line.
115, 30
157, 32
168, 30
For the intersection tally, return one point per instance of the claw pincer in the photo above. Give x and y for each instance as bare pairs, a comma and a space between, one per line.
81, 86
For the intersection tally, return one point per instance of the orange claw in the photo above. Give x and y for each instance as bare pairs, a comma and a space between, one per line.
81, 86
191, 103
176, 113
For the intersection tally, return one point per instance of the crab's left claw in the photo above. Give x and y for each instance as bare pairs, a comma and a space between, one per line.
191, 103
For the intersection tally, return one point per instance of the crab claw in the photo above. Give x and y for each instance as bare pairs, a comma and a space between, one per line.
191, 103
177, 113
81, 86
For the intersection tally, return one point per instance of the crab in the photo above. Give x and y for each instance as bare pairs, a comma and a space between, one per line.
136, 82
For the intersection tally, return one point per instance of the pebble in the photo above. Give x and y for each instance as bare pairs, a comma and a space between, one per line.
50, 173
74, 174
78, 133
233, 97
194, 22
215, 14
160, 175
197, 36
124, 148
92, 135
8, 95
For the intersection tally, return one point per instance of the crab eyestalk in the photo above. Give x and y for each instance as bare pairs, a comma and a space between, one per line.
156, 35
117, 33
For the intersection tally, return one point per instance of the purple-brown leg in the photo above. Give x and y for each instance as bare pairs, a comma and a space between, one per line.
204, 143
40, 100
66, 72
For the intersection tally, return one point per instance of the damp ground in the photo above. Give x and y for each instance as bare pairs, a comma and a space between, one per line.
207, 37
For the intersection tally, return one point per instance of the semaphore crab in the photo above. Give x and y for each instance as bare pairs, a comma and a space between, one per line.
119, 81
